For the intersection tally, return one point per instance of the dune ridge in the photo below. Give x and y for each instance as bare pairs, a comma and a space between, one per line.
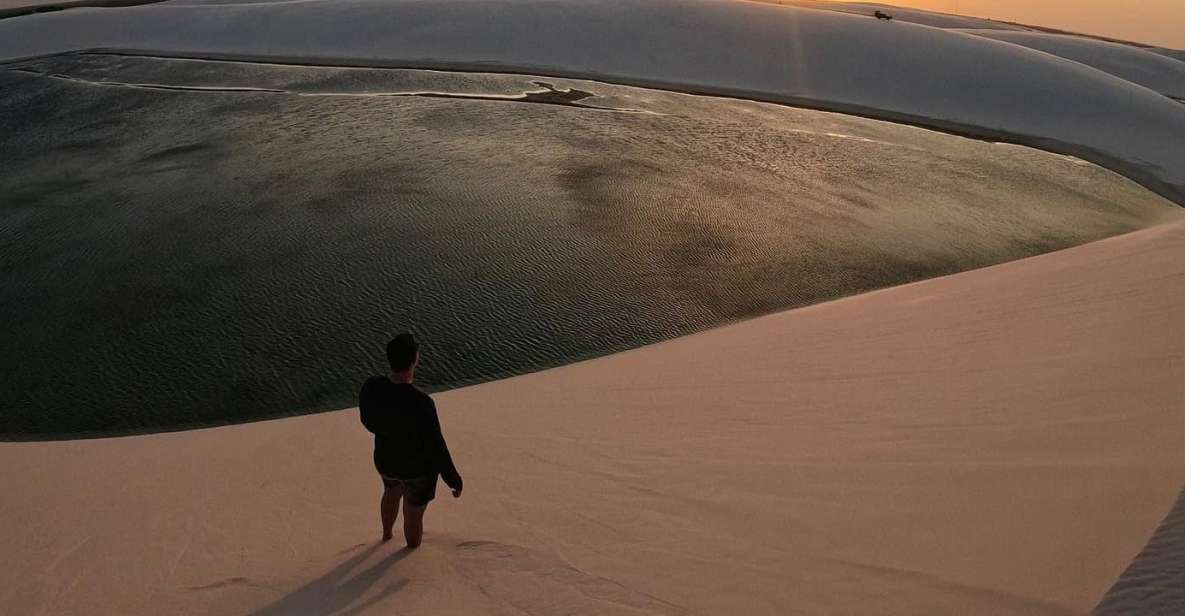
1145, 67
916, 16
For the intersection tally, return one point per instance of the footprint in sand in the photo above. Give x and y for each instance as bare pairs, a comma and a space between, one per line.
536, 583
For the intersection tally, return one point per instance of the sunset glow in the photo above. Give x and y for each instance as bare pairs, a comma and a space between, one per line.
1154, 22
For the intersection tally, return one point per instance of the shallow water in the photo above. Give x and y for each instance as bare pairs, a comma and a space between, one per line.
179, 257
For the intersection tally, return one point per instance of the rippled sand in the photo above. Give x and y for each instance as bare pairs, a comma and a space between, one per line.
1154, 583
196, 242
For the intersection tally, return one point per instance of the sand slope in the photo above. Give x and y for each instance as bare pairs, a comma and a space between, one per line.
1154, 584
910, 15
1172, 53
1152, 70
1001, 441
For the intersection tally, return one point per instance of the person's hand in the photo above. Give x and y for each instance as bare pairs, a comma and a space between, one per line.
457, 493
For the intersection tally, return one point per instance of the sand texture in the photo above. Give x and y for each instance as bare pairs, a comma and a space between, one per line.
1154, 584
1002, 441
1144, 67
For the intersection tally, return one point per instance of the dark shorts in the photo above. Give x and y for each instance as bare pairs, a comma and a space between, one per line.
417, 492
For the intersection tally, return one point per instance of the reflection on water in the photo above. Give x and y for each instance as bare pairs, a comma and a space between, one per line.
183, 257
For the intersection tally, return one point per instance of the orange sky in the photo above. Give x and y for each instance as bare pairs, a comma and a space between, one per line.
1156, 22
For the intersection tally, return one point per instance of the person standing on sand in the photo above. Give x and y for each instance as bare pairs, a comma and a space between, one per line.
409, 449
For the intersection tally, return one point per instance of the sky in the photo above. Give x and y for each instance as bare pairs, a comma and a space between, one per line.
1154, 22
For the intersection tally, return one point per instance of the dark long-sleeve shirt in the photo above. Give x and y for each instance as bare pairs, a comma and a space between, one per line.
408, 442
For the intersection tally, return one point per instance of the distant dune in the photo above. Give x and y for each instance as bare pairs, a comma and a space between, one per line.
19, 8
914, 16
1155, 71
1172, 53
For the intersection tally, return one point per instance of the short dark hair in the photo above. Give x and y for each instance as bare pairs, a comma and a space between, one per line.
402, 351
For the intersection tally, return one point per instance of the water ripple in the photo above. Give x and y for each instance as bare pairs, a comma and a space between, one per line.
173, 258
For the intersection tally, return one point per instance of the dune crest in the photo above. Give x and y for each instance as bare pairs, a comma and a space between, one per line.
1144, 67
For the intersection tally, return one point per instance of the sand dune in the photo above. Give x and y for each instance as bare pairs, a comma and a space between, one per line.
1172, 53
1155, 71
1151, 67
1001, 441
914, 16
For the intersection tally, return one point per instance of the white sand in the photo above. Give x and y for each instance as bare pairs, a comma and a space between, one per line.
1145, 67
1001, 441
910, 15
1172, 53
24, 4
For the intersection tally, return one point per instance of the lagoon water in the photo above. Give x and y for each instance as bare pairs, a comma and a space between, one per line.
187, 242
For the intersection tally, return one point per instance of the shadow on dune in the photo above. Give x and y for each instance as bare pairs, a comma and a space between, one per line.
336, 591
1154, 582
21, 11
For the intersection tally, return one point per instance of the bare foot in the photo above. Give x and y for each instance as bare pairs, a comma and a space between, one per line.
387, 536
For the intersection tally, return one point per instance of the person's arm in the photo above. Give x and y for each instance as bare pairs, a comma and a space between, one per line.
366, 411
444, 460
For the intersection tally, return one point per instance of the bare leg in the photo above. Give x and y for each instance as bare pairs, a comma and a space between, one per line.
413, 524
389, 509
